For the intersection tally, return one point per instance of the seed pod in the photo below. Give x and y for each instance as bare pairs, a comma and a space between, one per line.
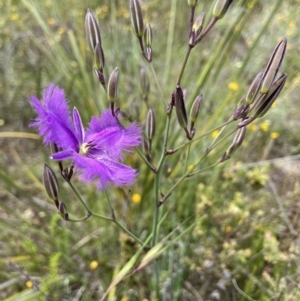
150, 124
112, 88
196, 106
236, 143
92, 30
51, 184
99, 57
273, 66
136, 18
220, 8
196, 30
180, 108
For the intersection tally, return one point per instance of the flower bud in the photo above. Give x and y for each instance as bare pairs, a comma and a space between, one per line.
92, 30
263, 102
262, 107
147, 149
62, 210
196, 106
99, 57
254, 88
136, 18
112, 87
180, 107
51, 183
220, 8
193, 3
148, 35
273, 66
196, 30
237, 141
241, 109
150, 124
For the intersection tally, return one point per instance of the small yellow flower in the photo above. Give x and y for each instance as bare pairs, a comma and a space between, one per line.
253, 127
190, 167
265, 126
51, 21
136, 198
15, 17
234, 86
215, 133
93, 265
274, 135
29, 284
124, 299
228, 229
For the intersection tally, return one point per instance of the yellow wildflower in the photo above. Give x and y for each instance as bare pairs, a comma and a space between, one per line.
253, 127
15, 17
234, 86
274, 135
93, 265
29, 284
51, 21
215, 133
136, 198
265, 126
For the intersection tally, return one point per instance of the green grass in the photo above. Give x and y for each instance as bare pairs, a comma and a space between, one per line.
230, 231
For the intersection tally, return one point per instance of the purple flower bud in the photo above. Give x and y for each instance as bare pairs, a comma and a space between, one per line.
112, 87
150, 124
136, 18
51, 183
220, 8
99, 57
148, 35
92, 30
62, 210
254, 88
196, 30
273, 66
180, 108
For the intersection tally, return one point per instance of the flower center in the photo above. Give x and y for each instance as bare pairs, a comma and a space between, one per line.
84, 148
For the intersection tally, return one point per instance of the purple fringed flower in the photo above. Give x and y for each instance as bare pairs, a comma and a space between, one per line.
96, 152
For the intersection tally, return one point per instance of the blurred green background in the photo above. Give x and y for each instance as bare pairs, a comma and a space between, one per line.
245, 238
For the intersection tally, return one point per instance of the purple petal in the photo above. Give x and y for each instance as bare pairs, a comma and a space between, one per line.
112, 138
63, 155
79, 130
105, 171
54, 121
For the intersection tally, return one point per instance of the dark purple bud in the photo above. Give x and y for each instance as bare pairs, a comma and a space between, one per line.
150, 124
148, 35
92, 30
180, 107
62, 210
273, 66
196, 30
236, 143
136, 18
99, 57
112, 87
221, 8
51, 183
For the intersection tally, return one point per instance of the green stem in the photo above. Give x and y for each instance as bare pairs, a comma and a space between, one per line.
156, 181
111, 219
145, 159
157, 83
184, 65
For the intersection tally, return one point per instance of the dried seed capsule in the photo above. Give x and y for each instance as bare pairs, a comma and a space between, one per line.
112, 87
220, 8
180, 108
273, 66
148, 35
51, 183
196, 30
136, 18
150, 124
99, 57
92, 30
236, 143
